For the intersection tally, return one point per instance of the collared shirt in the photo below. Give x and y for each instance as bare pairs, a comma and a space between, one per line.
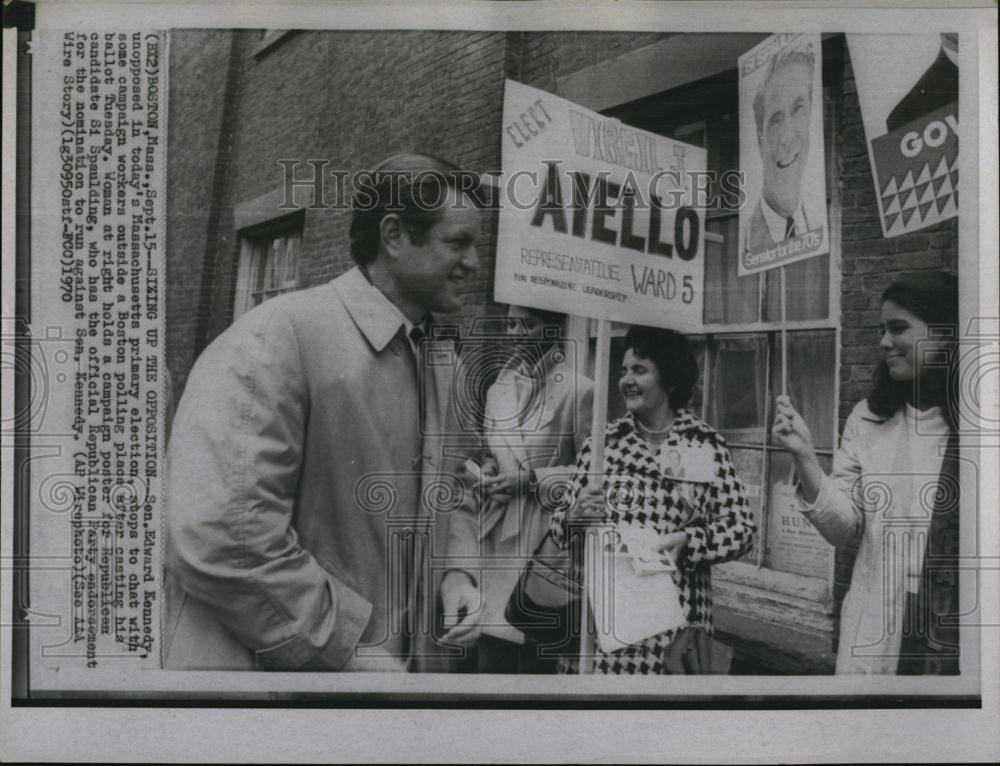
777, 223
407, 330
395, 317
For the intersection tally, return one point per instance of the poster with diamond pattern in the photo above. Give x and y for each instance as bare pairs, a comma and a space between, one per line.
908, 90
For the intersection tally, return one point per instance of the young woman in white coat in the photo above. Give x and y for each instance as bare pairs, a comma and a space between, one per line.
537, 414
893, 491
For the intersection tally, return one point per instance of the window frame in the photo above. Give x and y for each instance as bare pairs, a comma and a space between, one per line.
250, 236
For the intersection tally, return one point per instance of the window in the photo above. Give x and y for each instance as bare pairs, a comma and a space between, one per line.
739, 349
741, 377
269, 262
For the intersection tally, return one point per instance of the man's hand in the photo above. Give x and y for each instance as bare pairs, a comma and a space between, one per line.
463, 608
490, 466
507, 485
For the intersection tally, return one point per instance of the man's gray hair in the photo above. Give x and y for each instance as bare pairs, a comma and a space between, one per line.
787, 57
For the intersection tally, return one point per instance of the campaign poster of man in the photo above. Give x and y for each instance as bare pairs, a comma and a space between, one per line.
781, 153
908, 91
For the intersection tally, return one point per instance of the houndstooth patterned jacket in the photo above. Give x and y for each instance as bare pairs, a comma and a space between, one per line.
715, 514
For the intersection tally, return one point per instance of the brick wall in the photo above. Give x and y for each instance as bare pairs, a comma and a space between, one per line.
348, 98
202, 73
353, 99
550, 55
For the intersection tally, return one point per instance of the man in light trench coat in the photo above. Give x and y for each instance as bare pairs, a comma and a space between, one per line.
315, 522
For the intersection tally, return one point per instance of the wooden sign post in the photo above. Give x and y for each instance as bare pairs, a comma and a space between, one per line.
602, 362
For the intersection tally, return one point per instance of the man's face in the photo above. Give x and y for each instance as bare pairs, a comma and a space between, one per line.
434, 273
784, 137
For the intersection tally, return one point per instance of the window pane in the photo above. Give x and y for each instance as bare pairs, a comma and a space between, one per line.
277, 262
271, 267
697, 403
811, 380
291, 276
691, 133
793, 544
807, 285
616, 405
750, 468
258, 268
723, 154
737, 388
729, 299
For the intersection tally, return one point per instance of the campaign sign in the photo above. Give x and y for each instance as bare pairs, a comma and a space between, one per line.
781, 153
597, 218
908, 90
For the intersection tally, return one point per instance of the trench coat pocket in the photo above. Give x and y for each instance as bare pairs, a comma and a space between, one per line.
196, 639
351, 613
290, 653
325, 645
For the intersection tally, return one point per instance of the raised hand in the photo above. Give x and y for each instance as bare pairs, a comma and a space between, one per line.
790, 430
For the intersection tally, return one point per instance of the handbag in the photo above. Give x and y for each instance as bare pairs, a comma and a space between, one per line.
545, 604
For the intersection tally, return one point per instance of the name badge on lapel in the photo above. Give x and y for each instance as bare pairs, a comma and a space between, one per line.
688, 462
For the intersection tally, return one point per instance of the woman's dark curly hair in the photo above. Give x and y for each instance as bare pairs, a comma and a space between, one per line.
670, 352
932, 297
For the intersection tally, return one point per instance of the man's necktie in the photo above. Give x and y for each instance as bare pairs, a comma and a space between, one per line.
417, 334
790, 230
411, 542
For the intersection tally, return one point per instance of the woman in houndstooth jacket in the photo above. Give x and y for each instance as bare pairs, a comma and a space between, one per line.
669, 472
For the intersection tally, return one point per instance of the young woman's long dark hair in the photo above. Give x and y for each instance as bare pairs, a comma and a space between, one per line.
931, 296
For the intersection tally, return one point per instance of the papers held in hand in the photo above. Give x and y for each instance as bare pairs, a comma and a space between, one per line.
631, 588
642, 545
